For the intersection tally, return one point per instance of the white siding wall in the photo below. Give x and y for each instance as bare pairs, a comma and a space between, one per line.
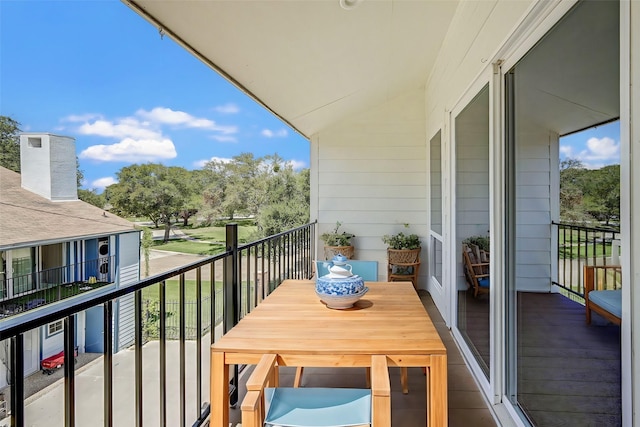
129, 273
533, 207
372, 176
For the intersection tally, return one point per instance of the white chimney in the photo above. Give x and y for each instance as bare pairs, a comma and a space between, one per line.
48, 166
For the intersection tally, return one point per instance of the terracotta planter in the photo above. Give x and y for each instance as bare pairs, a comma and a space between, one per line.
331, 251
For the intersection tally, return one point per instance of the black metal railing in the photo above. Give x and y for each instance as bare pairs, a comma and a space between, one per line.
241, 276
579, 245
28, 291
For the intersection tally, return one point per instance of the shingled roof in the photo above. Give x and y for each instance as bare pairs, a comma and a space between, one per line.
27, 219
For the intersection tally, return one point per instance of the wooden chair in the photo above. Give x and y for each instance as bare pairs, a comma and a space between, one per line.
266, 404
368, 270
403, 266
604, 300
475, 269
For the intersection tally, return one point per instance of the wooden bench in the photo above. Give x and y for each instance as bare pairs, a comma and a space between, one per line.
605, 302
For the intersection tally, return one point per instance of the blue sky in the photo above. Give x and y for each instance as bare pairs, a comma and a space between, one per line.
98, 72
595, 147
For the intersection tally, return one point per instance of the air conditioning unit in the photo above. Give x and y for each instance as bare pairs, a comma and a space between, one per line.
103, 247
103, 259
103, 268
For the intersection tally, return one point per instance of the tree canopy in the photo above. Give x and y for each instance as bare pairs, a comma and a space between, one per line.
266, 188
9, 143
151, 190
589, 194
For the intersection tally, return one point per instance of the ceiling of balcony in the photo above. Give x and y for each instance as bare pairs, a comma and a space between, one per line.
310, 62
315, 62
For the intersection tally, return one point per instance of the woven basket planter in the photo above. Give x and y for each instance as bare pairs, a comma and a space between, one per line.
403, 256
331, 251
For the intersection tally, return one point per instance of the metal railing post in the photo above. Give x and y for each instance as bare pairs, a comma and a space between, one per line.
231, 298
17, 380
108, 362
69, 372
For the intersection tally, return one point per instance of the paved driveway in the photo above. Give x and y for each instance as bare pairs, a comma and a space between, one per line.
46, 408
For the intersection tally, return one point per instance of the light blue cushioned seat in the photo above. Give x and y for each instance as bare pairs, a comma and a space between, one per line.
484, 282
608, 300
266, 404
368, 270
317, 407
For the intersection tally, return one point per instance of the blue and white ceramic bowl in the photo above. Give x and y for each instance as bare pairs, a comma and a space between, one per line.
339, 286
343, 301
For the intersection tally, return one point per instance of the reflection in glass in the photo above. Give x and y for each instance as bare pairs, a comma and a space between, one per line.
472, 218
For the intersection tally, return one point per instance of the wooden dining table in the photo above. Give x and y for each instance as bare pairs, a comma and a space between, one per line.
293, 323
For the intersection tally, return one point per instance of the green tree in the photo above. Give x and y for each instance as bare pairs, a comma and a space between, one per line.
92, 197
572, 173
146, 243
151, 190
233, 187
602, 193
265, 188
9, 143
287, 204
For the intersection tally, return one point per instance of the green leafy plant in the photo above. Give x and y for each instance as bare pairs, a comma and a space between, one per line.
402, 240
334, 238
483, 242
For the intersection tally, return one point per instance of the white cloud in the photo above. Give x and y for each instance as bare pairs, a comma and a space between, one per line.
280, 133
202, 163
102, 183
599, 152
229, 108
566, 150
125, 128
297, 164
132, 150
168, 116
81, 117
603, 148
224, 138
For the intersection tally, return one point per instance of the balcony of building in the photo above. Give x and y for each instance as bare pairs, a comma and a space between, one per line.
31, 290
162, 379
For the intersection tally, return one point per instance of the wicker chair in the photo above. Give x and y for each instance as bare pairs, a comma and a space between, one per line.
403, 265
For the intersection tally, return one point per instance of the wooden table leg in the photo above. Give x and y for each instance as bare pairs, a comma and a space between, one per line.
219, 391
437, 392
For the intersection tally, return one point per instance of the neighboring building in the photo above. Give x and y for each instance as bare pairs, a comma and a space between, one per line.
54, 247
447, 115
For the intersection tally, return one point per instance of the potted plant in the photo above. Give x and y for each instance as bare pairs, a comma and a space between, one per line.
337, 243
403, 252
481, 242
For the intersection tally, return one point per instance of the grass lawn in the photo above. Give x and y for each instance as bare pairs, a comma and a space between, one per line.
218, 234
585, 250
172, 290
189, 247
214, 238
